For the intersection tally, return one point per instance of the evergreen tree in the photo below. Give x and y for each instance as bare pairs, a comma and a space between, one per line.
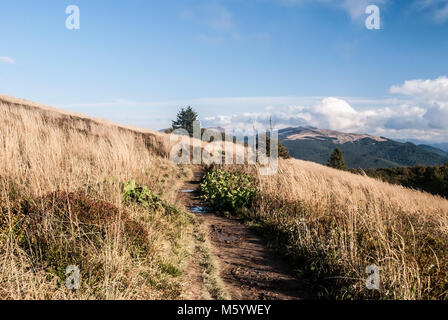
283, 152
184, 120
337, 160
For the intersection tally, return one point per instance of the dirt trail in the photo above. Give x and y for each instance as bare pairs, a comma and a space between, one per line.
249, 270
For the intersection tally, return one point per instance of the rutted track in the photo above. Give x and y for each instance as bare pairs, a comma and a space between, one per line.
248, 268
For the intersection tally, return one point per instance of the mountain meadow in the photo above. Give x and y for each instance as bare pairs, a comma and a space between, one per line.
77, 191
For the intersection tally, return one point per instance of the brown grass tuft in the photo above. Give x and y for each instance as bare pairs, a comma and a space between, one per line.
333, 224
61, 203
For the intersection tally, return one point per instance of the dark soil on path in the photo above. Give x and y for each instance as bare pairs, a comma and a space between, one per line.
249, 269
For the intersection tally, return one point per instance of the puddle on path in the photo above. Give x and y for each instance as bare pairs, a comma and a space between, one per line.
226, 238
200, 209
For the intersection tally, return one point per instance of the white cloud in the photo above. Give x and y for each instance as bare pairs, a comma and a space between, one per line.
336, 114
421, 112
331, 113
7, 60
418, 109
381, 117
434, 90
432, 95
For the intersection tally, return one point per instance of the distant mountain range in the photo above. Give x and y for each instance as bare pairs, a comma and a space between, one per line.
360, 150
432, 148
441, 146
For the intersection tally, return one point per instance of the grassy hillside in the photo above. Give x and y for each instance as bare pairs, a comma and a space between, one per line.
62, 178
339, 223
85, 192
430, 179
333, 224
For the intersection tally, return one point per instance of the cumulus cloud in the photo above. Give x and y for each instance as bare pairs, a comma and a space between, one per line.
336, 113
432, 96
332, 113
434, 90
420, 112
7, 60
418, 109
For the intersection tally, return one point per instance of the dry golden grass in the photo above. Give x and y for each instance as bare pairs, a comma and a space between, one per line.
338, 223
44, 151
332, 222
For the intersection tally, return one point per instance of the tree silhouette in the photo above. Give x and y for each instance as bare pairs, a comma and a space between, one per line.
184, 120
337, 160
283, 152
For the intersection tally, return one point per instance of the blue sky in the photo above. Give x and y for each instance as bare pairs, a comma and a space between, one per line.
238, 62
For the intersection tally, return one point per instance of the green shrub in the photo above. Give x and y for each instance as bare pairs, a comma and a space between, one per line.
226, 190
133, 192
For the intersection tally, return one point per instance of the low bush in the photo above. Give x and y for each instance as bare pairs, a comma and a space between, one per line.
133, 192
228, 190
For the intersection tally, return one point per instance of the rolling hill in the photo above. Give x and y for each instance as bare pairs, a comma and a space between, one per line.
441, 146
84, 192
433, 149
360, 150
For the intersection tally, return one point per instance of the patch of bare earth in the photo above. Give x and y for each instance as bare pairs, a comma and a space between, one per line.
249, 269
